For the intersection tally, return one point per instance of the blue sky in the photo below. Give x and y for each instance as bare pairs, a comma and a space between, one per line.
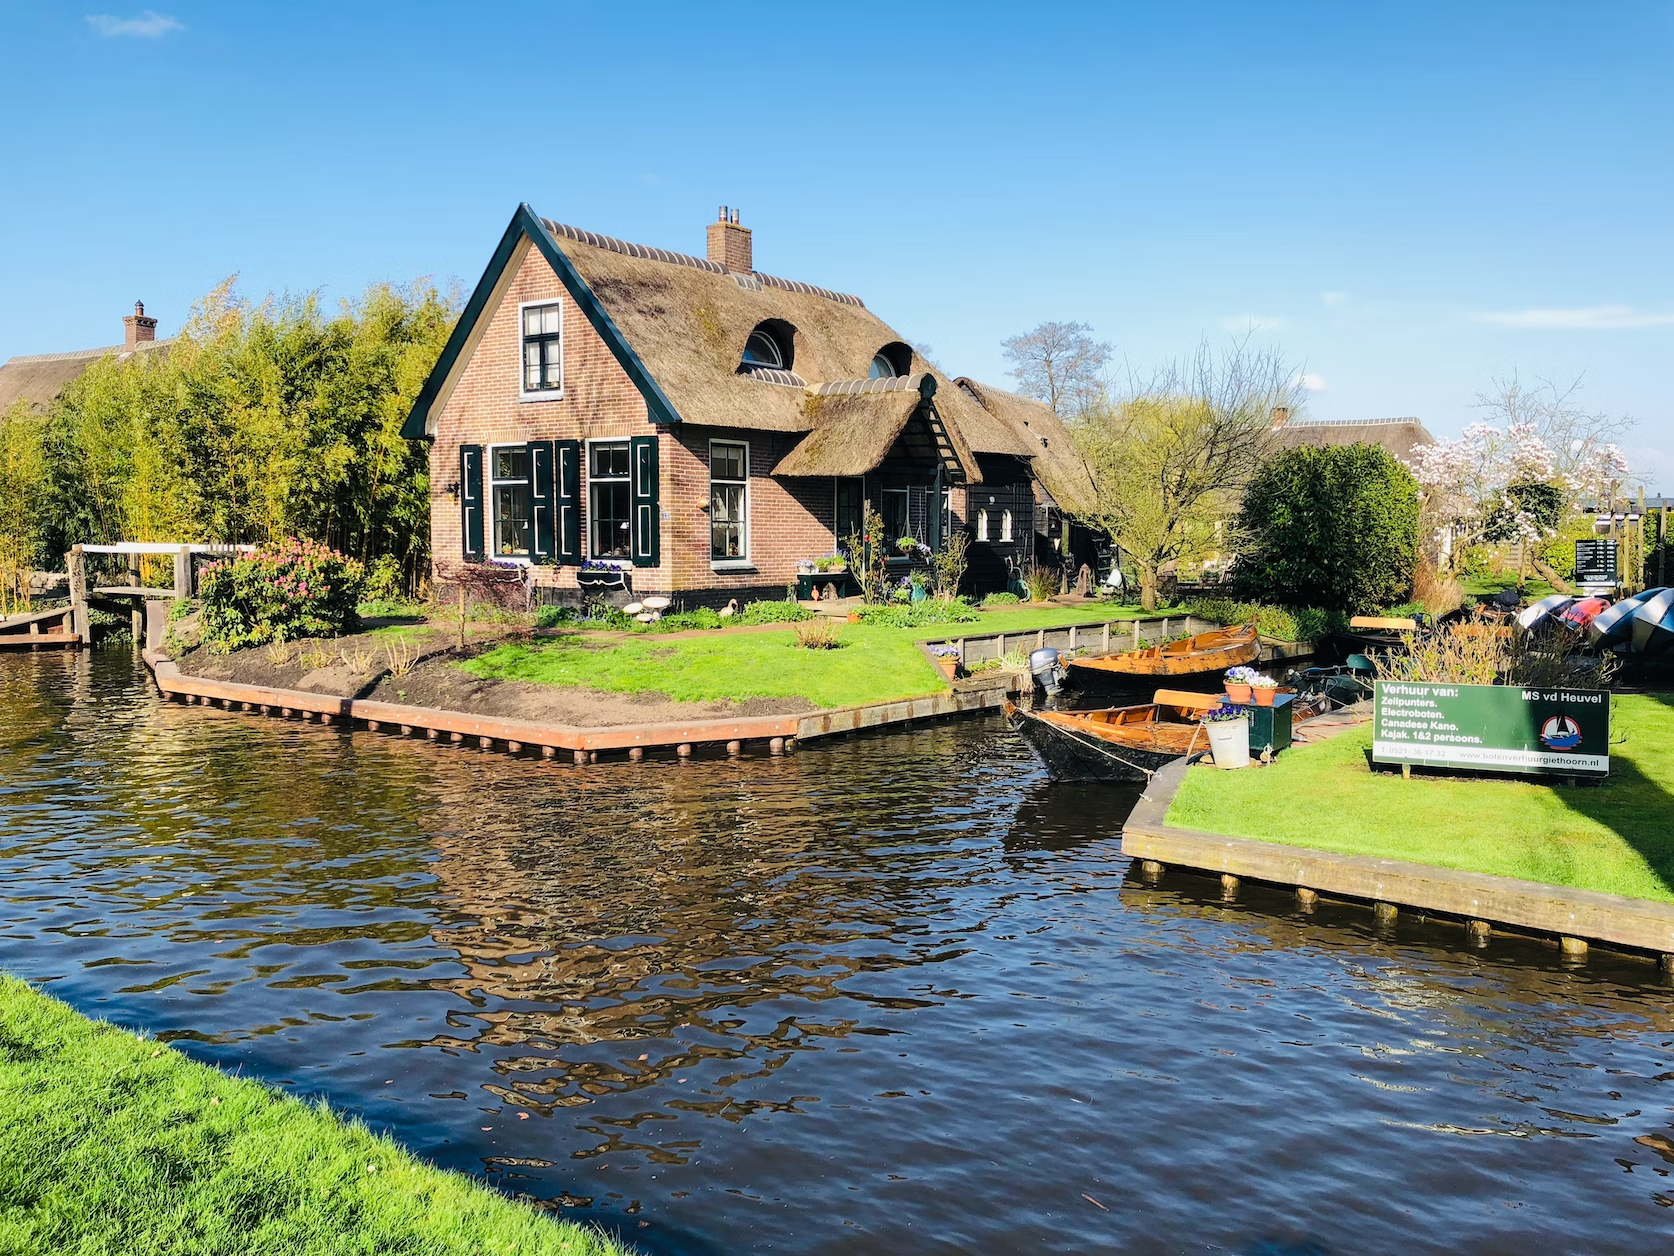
1412, 199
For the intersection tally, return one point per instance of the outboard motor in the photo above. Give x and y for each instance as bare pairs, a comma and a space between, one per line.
1047, 669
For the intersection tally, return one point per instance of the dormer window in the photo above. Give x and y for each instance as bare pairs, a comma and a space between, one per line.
762, 350
543, 349
890, 361
771, 347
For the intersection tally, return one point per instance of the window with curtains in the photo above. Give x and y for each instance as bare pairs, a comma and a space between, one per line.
610, 512
982, 524
543, 348
729, 501
508, 467
1005, 524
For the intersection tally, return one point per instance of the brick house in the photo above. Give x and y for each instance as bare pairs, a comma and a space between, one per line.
610, 415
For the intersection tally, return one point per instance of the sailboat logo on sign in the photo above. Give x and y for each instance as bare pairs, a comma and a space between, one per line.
1560, 732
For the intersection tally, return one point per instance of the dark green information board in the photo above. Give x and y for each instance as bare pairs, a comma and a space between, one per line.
1492, 728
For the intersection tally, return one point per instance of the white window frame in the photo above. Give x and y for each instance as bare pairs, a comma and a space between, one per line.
491, 542
1005, 526
586, 505
982, 523
540, 394
744, 562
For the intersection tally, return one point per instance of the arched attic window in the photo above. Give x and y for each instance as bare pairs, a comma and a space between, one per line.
771, 346
893, 359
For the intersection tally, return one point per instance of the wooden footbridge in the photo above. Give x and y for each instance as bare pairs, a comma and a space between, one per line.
71, 626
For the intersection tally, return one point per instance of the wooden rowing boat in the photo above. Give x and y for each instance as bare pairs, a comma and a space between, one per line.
1205, 653
1120, 744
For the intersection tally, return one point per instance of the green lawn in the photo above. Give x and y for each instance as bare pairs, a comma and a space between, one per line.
1484, 587
1616, 837
112, 1144
873, 665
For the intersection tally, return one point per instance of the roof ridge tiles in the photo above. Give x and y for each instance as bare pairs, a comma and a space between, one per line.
629, 249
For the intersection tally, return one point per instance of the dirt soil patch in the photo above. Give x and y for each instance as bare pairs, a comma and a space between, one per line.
359, 667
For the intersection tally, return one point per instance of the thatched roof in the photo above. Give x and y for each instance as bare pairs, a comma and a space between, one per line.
1399, 436
37, 379
1020, 426
856, 423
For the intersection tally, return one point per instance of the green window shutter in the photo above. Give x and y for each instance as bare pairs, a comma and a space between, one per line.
471, 504
540, 502
642, 460
566, 461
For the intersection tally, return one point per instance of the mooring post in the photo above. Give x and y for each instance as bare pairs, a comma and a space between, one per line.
76, 562
1665, 966
136, 612
1151, 871
1229, 887
1136, 634
1104, 639
1406, 771
1573, 948
1386, 914
1306, 899
1477, 933
183, 572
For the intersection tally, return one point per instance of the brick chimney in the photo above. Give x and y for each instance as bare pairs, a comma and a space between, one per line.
729, 244
137, 327
1281, 416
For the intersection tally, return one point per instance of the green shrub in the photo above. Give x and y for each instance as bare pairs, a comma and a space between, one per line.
1001, 599
921, 614
1334, 526
279, 593
1279, 622
1474, 561
552, 616
703, 617
772, 613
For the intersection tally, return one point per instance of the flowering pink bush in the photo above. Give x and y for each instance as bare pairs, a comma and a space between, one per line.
280, 592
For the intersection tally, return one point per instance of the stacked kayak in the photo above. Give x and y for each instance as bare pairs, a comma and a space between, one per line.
1543, 612
1583, 612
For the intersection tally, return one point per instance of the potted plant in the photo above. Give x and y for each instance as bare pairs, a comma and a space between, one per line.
831, 563
596, 574
947, 659
907, 545
1262, 689
1229, 736
1238, 684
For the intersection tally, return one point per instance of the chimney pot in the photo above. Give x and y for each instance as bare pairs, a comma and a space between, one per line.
1281, 416
137, 328
729, 243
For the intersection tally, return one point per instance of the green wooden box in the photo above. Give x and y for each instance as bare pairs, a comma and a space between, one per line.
1270, 726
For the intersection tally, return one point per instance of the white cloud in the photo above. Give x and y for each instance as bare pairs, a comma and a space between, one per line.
1331, 300
147, 25
1251, 322
1310, 382
1588, 318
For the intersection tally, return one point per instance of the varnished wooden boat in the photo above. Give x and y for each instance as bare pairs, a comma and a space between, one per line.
1376, 634
1120, 744
1206, 653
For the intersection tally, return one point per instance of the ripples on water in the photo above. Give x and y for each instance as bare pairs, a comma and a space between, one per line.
891, 994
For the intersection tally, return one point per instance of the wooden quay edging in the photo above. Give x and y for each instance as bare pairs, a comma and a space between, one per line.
1481, 900
1101, 637
585, 744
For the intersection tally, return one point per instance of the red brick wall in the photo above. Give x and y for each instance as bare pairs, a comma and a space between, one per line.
788, 519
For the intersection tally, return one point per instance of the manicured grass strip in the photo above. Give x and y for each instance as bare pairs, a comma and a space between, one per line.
873, 665
1029, 618
1616, 837
112, 1144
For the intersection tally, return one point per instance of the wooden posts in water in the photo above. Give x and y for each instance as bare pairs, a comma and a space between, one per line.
77, 565
183, 572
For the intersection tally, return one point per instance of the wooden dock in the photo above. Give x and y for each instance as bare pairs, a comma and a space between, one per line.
1101, 637
1478, 900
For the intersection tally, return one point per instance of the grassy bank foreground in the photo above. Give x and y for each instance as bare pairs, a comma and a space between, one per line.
871, 665
1616, 837
113, 1144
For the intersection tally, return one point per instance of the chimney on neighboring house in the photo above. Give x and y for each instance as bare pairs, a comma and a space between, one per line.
729, 244
1281, 416
137, 327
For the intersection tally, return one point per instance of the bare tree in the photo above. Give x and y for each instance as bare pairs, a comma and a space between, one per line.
1168, 460
1060, 364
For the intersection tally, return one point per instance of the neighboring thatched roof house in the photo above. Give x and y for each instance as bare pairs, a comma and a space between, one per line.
1399, 436
37, 379
742, 396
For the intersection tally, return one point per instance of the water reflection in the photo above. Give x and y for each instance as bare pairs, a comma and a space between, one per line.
893, 993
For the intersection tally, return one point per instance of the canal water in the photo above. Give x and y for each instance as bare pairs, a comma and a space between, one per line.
888, 994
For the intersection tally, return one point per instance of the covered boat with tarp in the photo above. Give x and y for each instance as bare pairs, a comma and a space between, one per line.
1543, 613
1125, 743
1613, 627
1204, 654
1378, 634
1579, 615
